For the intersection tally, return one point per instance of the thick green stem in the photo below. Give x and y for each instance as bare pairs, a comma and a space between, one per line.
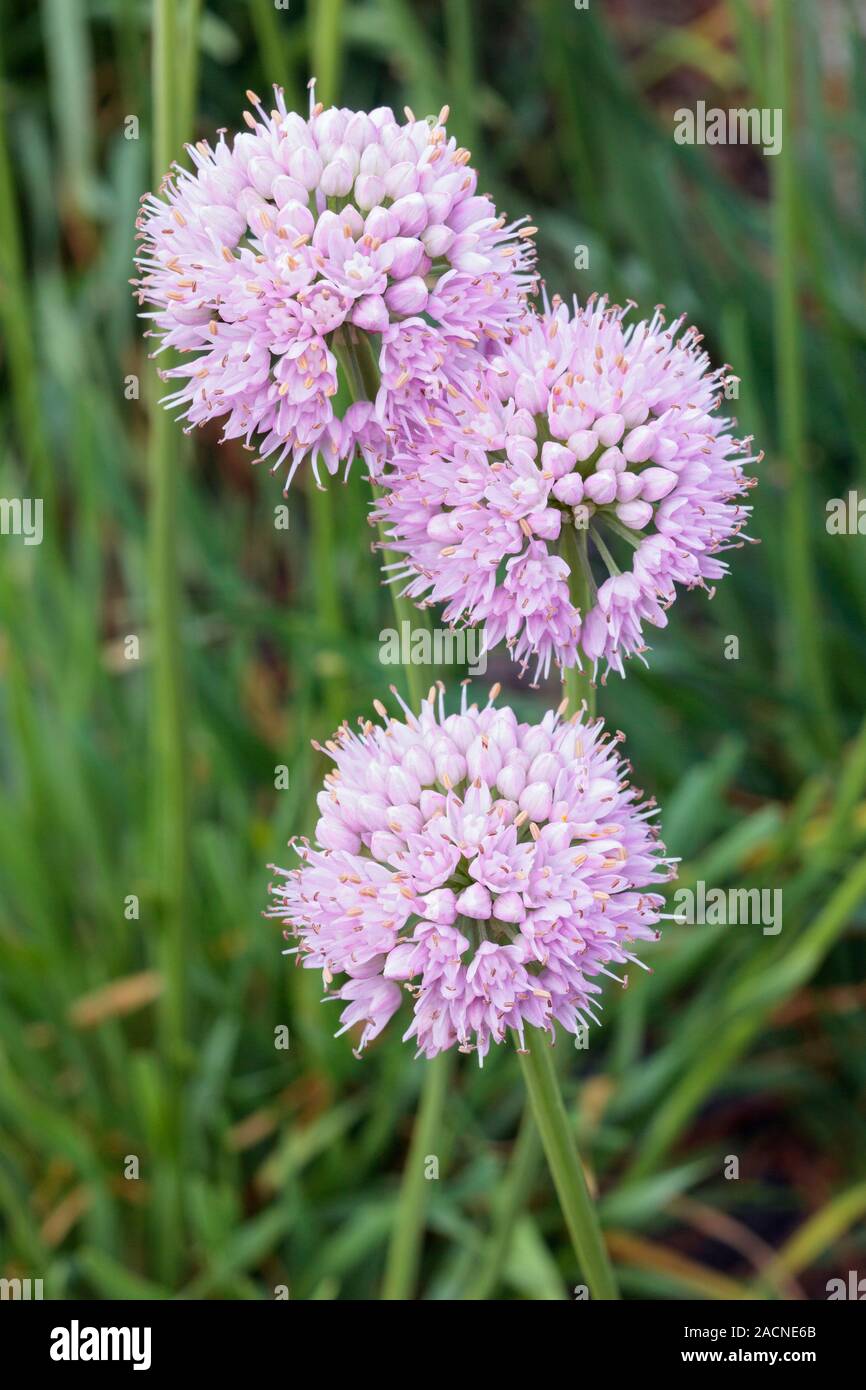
579, 688
187, 77
328, 605
359, 370
563, 1160
579, 684
460, 46
326, 47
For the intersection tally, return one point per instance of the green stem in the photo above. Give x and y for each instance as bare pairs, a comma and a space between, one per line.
579, 685
327, 596
598, 540
360, 374
271, 33
563, 1160
460, 46
326, 47
615, 525
328, 605
321, 510
188, 76
579, 688
359, 369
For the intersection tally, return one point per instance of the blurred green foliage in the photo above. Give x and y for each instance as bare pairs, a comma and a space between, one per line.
153, 1034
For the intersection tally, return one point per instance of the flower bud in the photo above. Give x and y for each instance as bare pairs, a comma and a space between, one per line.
337, 178
508, 907
547, 524
583, 443
557, 459
544, 768
374, 161
437, 240
432, 803
384, 846
440, 906
371, 314
609, 429
369, 191
402, 785
404, 819
636, 515
483, 759
569, 490
656, 483
511, 780
333, 834
450, 765
600, 487
461, 730
380, 224
407, 254
306, 167
372, 811
531, 394
628, 486
263, 174
611, 461
475, 902
401, 180
536, 800
407, 297
639, 444
411, 213
417, 761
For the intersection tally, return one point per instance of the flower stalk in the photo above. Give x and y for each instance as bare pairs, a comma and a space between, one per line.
579, 682
525, 1158
360, 373
326, 52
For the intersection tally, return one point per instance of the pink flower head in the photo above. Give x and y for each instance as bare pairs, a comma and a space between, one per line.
489, 867
302, 242
589, 458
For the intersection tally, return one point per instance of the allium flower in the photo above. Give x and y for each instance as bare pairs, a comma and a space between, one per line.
490, 867
302, 243
589, 458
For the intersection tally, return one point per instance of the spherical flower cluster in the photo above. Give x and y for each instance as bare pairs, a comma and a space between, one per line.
490, 867
346, 249
585, 475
